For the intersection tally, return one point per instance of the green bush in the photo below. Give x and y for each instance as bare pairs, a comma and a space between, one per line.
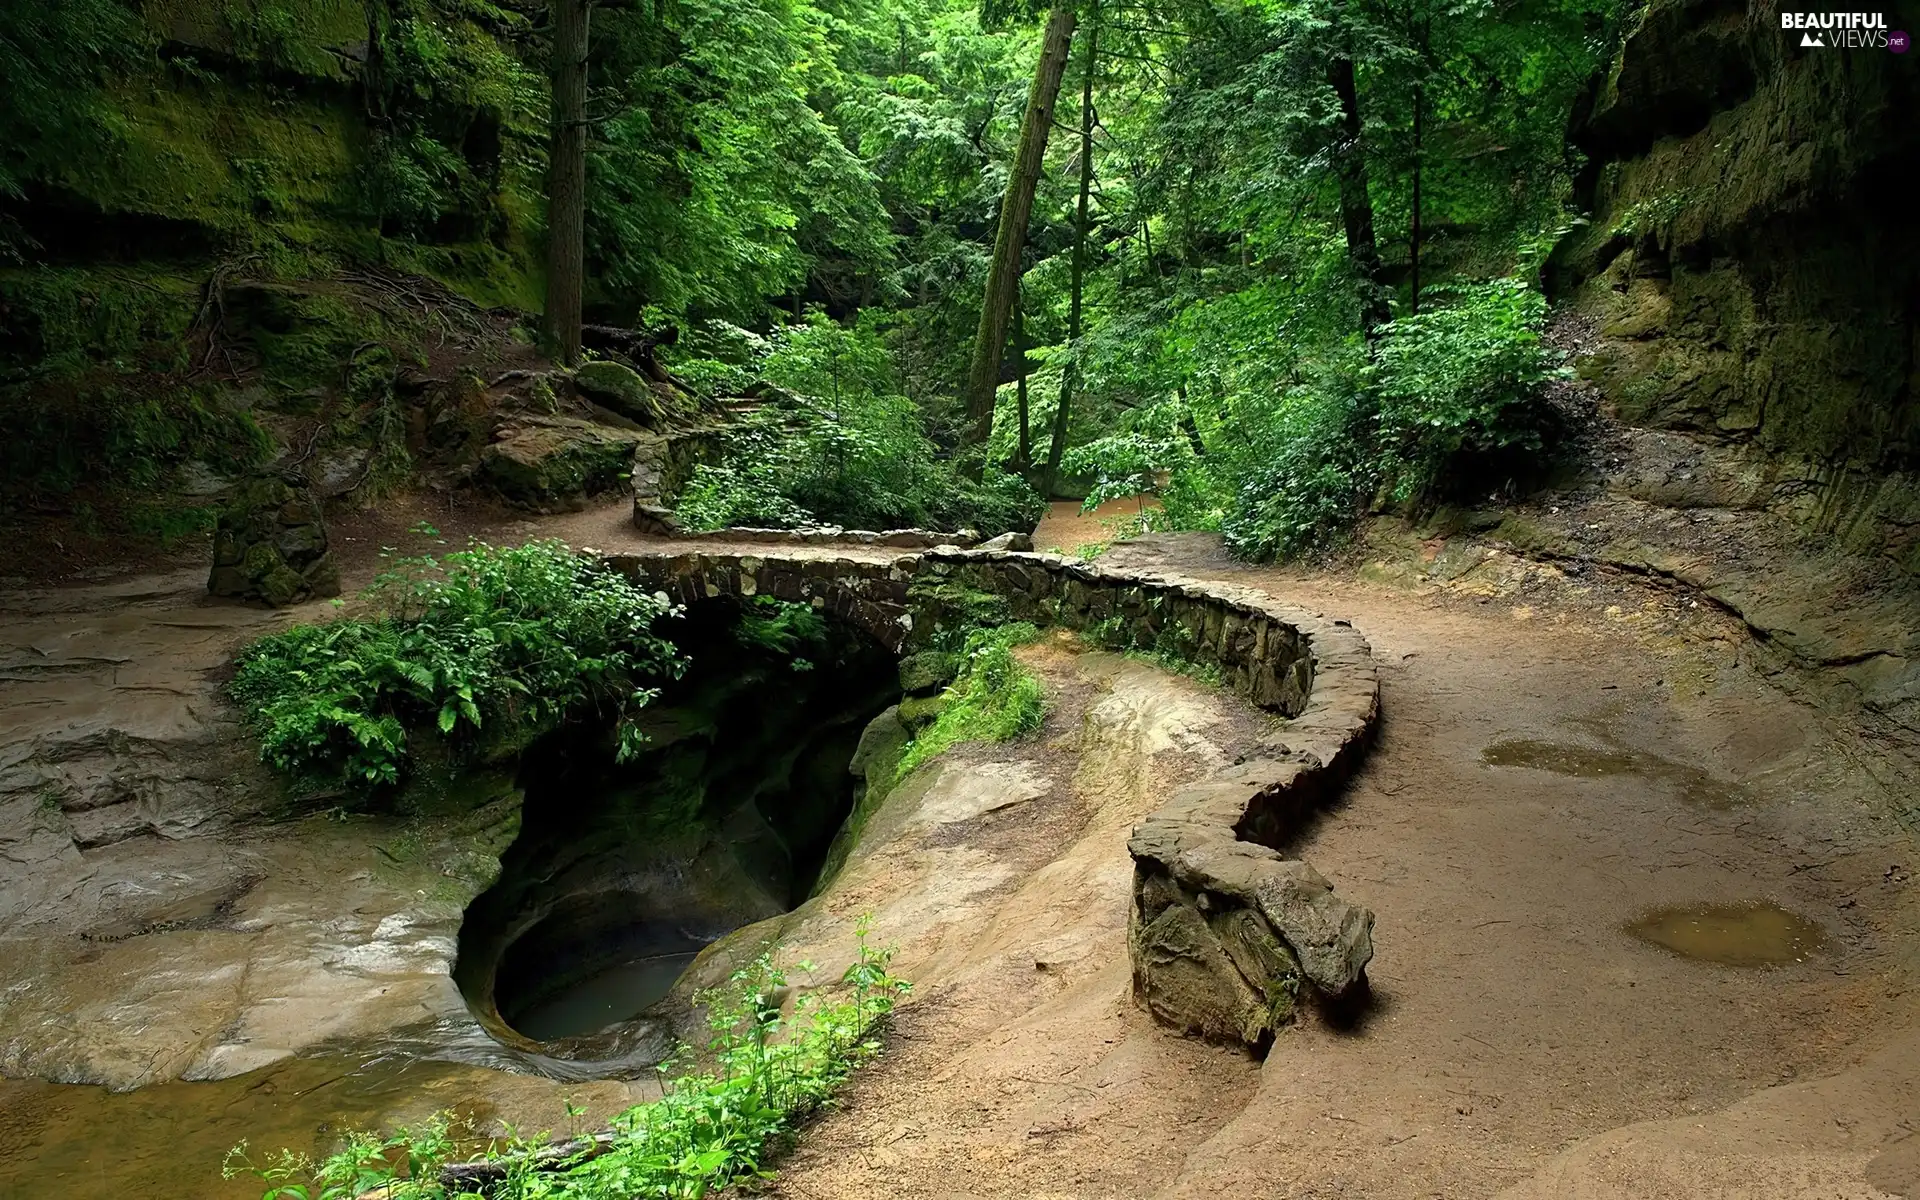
484, 647
712, 1128
1450, 403
1457, 388
1309, 489
993, 699
843, 447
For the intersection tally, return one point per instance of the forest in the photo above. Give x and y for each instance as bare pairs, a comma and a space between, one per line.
666, 598
1277, 264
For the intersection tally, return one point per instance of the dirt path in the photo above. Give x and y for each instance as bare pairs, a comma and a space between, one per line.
1515, 1015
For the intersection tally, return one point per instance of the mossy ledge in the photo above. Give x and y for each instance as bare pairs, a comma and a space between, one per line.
1225, 931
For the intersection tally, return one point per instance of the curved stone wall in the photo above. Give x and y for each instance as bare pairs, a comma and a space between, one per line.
1227, 934
869, 592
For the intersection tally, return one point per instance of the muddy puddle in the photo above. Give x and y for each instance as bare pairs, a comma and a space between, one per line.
1693, 785
1755, 934
167, 1142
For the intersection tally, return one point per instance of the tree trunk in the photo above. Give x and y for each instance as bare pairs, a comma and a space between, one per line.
1356, 204
1415, 233
1023, 458
1070, 377
1413, 238
1003, 276
567, 178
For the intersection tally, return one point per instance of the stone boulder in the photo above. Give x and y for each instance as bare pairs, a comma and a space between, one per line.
271, 543
1009, 541
625, 391
554, 464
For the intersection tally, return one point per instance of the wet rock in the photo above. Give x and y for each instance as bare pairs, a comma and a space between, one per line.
1332, 937
271, 543
554, 464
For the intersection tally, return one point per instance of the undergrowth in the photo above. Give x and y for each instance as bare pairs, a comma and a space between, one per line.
488, 646
992, 699
712, 1129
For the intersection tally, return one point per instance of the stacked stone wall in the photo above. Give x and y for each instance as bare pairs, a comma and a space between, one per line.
1227, 934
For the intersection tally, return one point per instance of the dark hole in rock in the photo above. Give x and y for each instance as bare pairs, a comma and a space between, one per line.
622, 872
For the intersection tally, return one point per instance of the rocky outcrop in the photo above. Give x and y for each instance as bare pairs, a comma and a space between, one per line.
556, 463
1748, 264
271, 544
1745, 304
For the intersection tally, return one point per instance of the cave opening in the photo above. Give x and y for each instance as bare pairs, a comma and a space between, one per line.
622, 872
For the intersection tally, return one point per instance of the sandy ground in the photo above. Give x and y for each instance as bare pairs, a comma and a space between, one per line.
1515, 1018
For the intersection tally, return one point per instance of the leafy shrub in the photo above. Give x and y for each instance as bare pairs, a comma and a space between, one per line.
1458, 385
1309, 489
838, 445
993, 699
711, 1129
1453, 395
486, 646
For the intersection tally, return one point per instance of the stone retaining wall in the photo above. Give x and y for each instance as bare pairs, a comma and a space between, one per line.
654, 518
1226, 933
870, 594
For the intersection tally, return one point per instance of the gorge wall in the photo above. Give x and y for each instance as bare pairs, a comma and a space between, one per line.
1750, 270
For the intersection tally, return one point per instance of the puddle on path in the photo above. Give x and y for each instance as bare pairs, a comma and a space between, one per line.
168, 1140
1563, 758
1755, 934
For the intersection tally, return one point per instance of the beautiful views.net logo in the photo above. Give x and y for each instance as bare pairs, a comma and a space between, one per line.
1853, 31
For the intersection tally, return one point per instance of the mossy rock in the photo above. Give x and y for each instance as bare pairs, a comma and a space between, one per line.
621, 389
918, 712
554, 464
928, 671
270, 543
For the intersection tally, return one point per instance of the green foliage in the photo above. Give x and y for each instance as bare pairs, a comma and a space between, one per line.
107, 434
54, 58
1458, 381
483, 648
711, 1130
1450, 403
721, 182
992, 699
1308, 491
837, 444
783, 628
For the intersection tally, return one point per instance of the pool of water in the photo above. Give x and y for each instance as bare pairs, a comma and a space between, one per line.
1755, 934
166, 1142
1692, 784
621, 991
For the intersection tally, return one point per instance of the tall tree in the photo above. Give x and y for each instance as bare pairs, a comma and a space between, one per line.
567, 177
1016, 207
1356, 201
1023, 453
1070, 377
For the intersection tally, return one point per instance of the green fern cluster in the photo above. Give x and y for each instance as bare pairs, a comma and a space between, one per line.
485, 647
